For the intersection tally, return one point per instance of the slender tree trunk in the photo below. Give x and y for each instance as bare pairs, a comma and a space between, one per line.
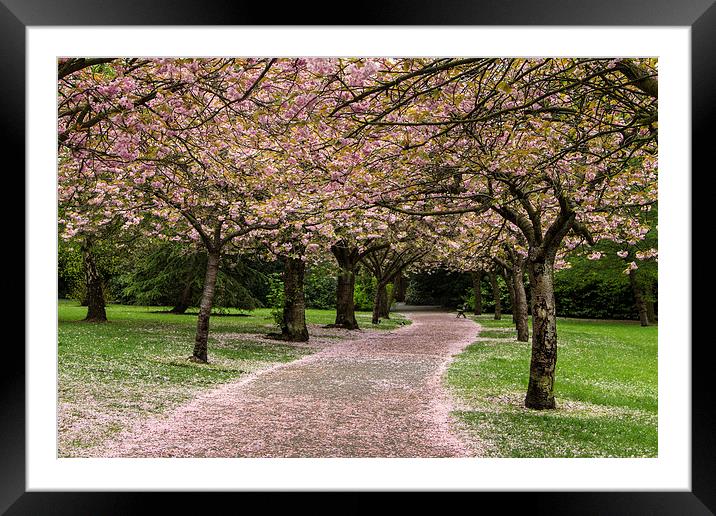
639, 299
93, 283
207, 302
509, 280
496, 295
477, 289
519, 309
380, 303
540, 391
293, 325
399, 288
345, 289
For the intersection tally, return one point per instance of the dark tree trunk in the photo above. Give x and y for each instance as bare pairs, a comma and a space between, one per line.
207, 302
380, 303
477, 289
540, 392
345, 306
94, 292
399, 288
384, 305
519, 308
184, 300
639, 299
651, 311
511, 292
293, 325
345, 289
496, 295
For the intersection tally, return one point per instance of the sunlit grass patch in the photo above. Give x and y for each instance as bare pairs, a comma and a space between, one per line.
606, 391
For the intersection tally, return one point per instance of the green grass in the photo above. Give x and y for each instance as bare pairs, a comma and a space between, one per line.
605, 386
135, 365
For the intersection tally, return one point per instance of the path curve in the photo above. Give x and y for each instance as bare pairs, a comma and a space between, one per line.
375, 396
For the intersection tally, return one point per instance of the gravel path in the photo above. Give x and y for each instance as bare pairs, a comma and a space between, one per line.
375, 396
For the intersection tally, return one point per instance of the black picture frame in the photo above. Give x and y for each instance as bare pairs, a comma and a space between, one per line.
700, 15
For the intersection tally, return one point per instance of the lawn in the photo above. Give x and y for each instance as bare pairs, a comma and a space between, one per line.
134, 366
605, 387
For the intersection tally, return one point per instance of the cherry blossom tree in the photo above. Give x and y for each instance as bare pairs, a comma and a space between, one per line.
556, 147
189, 163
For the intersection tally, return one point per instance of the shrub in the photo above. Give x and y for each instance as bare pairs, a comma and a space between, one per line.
320, 286
274, 298
364, 292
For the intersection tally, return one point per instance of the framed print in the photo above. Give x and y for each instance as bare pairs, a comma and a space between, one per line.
599, 80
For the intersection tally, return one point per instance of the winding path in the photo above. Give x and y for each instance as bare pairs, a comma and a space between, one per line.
375, 396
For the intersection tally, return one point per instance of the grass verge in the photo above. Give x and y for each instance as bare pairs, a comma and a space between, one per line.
605, 386
135, 365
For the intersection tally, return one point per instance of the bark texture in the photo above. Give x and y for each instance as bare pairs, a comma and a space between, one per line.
347, 259
519, 308
540, 391
207, 302
293, 324
94, 293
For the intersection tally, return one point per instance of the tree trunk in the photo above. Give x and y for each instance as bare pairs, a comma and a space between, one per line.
93, 285
476, 287
509, 280
540, 391
207, 302
184, 300
380, 303
651, 311
639, 299
345, 306
519, 308
345, 289
496, 295
399, 288
384, 304
293, 325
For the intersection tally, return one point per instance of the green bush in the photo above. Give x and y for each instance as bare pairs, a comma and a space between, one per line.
70, 271
274, 298
364, 292
442, 287
320, 286
584, 293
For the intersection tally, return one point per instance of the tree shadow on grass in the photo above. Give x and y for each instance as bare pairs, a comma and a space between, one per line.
169, 312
